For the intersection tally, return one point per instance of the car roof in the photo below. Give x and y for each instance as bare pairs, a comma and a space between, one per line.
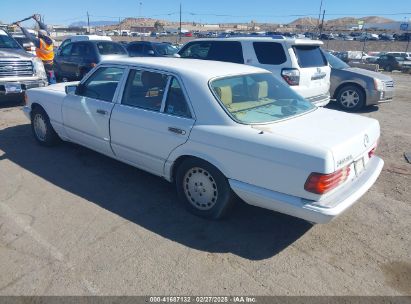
205, 69
266, 39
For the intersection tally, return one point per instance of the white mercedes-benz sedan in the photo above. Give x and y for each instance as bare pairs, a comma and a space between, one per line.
219, 131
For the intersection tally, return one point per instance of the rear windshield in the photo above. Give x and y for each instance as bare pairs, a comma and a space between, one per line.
258, 98
165, 49
309, 56
110, 48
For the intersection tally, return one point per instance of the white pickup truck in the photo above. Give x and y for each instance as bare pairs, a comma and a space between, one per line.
215, 129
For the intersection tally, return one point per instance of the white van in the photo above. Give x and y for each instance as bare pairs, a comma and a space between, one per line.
299, 63
83, 38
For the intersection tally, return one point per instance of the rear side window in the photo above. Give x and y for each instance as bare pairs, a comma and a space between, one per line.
145, 90
309, 56
270, 52
228, 51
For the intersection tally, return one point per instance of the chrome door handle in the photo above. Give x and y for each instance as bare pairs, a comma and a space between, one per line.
102, 112
177, 131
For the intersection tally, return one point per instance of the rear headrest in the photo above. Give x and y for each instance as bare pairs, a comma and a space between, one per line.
153, 80
259, 90
225, 94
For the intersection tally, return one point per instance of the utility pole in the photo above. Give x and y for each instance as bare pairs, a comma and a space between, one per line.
140, 9
408, 35
322, 24
319, 15
119, 25
88, 23
179, 32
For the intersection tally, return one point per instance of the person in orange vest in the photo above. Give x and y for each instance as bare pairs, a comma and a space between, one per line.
44, 46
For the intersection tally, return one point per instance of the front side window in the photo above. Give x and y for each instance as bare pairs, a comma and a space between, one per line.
258, 98
66, 51
176, 103
145, 90
309, 56
102, 84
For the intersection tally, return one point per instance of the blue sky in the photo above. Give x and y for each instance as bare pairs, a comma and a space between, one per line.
210, 11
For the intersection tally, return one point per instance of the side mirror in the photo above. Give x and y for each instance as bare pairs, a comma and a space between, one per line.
151, 53
177, 55
71, 89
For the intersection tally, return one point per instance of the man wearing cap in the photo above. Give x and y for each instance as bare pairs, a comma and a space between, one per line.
44, 46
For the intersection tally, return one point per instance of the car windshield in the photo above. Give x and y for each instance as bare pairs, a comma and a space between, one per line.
335, 63
110, 48
165, 49
6, 42
258, 98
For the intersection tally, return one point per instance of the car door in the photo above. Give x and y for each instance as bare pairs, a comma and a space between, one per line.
152, 119
86, 114
62, 61
81, 58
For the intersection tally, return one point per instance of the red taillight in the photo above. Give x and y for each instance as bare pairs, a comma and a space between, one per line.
319, 183
373, 150
291, 76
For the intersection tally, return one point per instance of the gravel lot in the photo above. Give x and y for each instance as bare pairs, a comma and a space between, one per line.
74, 222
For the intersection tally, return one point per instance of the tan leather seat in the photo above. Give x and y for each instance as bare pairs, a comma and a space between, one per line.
259, 90
225, 94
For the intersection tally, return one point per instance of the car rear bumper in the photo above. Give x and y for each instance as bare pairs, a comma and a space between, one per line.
310, 210
320, 100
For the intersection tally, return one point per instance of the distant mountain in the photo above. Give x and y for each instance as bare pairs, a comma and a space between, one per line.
93, 23
339, 21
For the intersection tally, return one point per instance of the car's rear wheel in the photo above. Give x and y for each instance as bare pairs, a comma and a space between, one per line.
351, 98
42, 129
388, 68
203, 189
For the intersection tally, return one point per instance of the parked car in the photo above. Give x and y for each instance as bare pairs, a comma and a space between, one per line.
215, 129
155, 49
19, 70
386, 37
296, 62
25, 43
406, 55
76, 59
83, 38
389, 63
355, 88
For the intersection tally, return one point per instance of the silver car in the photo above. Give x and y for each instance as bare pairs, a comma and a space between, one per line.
354, 88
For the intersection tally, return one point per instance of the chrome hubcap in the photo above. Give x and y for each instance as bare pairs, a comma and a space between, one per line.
40, 127
200, 188
350, 99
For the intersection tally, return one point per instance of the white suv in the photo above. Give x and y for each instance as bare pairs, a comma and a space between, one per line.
298, 62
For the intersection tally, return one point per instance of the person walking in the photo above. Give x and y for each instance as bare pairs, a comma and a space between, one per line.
44, 46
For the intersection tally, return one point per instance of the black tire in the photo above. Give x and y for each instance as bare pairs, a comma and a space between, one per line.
388, 68
351, 98
211, 195
40, 120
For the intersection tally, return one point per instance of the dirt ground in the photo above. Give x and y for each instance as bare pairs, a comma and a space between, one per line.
74, 222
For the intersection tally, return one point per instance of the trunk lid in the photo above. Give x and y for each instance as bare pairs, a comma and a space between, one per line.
347, 136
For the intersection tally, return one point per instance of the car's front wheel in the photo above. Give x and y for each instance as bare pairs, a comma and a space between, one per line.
203, 189
42, 129
351, 98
